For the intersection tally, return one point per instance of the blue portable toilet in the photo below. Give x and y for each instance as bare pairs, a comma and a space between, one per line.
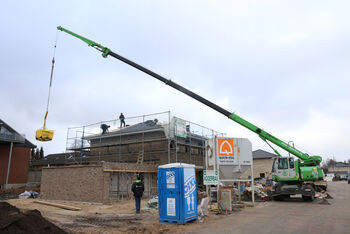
177, 193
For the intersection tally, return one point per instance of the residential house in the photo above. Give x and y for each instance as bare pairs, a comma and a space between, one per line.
262, 164
14, 146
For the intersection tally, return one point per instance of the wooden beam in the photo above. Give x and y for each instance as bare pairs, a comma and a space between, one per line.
58, 205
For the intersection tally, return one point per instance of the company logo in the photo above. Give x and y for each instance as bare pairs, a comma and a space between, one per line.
190, 186
170, 179
225, 147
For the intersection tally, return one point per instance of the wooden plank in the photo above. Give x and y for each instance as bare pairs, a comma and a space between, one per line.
58, 205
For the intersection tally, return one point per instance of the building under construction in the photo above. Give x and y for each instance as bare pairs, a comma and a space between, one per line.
137, 149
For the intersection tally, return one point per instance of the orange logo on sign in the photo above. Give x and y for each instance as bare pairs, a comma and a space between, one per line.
225, 147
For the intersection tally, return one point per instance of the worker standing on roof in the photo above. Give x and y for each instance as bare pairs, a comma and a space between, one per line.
121, 118
138, 188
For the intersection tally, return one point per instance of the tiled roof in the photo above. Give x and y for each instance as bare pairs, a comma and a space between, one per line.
61, 159
341, 164
144, 126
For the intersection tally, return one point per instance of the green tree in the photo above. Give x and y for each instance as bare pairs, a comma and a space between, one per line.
328, 163
32, 154
41, 153
36, 154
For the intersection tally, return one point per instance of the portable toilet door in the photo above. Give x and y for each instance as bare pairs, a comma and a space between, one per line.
169, 194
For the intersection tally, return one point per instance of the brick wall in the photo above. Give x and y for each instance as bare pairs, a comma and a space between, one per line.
19, 164
126, 148
78, 183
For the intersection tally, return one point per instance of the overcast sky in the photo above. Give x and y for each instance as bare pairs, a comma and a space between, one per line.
283, 65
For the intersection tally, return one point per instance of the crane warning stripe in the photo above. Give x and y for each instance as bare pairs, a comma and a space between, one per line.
225, 147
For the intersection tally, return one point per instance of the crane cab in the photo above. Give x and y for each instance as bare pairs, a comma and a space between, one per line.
44, 135
284, 168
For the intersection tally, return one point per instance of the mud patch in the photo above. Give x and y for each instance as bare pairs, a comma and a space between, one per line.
115, 221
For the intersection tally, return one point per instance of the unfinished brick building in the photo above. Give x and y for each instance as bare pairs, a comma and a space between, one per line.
150, 141
144, 143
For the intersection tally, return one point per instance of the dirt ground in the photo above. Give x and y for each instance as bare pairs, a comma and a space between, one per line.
291, 216
119, 217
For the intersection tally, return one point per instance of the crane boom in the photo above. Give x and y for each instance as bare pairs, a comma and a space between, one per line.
307, 160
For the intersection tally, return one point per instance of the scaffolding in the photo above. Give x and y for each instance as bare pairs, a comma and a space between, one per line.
154, 135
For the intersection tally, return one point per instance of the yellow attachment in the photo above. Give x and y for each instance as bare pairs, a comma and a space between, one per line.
44, 135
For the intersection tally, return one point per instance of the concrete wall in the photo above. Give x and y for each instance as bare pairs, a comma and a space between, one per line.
78, 183
19, 164
260, 166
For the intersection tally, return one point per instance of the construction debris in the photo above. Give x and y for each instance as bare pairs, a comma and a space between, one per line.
203, 209
323, 196
151, 204
259, 192
28, 194
58, 205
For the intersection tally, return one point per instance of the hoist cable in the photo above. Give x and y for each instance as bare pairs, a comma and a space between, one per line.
51, 76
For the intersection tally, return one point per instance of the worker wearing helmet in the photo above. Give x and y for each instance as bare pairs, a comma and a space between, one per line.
138, 188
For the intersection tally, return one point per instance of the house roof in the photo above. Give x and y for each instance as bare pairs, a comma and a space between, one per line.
149, 125
61, 159
144, 126
261, 154
8, 134
341, 164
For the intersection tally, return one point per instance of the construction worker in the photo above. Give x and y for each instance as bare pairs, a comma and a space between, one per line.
121, 118
138, 188
104, 128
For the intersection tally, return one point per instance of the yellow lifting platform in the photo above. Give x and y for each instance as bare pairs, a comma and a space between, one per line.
44, 134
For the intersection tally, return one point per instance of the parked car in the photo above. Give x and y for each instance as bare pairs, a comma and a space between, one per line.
348, 177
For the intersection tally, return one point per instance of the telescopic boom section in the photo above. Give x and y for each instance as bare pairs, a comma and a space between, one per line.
308, 160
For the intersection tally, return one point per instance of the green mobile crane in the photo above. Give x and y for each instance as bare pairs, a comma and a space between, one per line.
302, 176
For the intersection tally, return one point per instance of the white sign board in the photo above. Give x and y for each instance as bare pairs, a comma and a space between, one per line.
180, 128
210, 177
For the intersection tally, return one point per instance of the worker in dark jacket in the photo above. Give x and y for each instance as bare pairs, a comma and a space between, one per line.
138, 188
122, 120
104, 128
